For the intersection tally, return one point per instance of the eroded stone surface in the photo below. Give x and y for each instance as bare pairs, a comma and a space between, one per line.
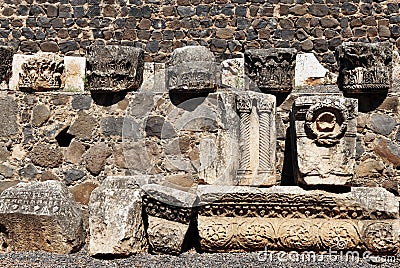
114, 68
257, 138
324, 139
365, 67
115, 222
282, 218
75, 73
169, 215
272, 70
40, 216
6, 56
193, 69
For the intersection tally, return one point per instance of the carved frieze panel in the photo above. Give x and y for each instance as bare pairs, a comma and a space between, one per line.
42, 72
324, 137
40, 216
257, 138
222, 234
272, 69
6, 57
193, 69
365, 67
114, 68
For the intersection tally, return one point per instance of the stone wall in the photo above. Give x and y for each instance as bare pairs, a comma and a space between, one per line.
227, 27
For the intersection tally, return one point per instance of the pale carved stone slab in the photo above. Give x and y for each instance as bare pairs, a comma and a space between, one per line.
257, 139
6, 57
40, 216
115, 221
290, 218
114, 68
324, 138
365, 67
39, 73
193, 69
75, 68
272, 70
169, 212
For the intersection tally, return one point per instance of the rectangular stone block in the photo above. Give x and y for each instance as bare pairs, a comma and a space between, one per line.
272, 70
257, 139
290, 218
365, 67
9, 126
193, 69
114, 68
75, 78
115, 221
40, 216
324, 139
6, 56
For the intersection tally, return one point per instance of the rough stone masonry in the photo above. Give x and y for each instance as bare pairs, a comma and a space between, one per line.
118, 133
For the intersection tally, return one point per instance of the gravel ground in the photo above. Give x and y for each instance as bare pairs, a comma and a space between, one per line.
281, 259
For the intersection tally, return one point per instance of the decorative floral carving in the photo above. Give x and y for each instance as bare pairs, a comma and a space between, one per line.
381, 237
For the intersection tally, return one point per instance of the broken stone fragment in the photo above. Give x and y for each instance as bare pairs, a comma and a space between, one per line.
169, 213
324, 139
40, 216
272, 70
193, 69
115, 221
288, 217
114, 68
365, 67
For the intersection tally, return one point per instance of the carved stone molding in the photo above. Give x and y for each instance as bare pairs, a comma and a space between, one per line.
257, 138
324, 138
114, 68
193, 69
271, 69
42, 73
223, 234
365, 67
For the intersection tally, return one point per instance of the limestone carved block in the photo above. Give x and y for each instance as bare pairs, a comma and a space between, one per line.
115, 222
324, 137
114, 68
42, 72
272, 69
257, 138
40, 216
6, 56
290, 218
365, 67
169, 212
193, 69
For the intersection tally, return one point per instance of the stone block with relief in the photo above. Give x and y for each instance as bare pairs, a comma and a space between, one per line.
324, 139
257, 139
169, 213
365, 67
272, 70
115, 221
290, 218
193, 69
40, 216
6, 57
114, 68
41, 72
